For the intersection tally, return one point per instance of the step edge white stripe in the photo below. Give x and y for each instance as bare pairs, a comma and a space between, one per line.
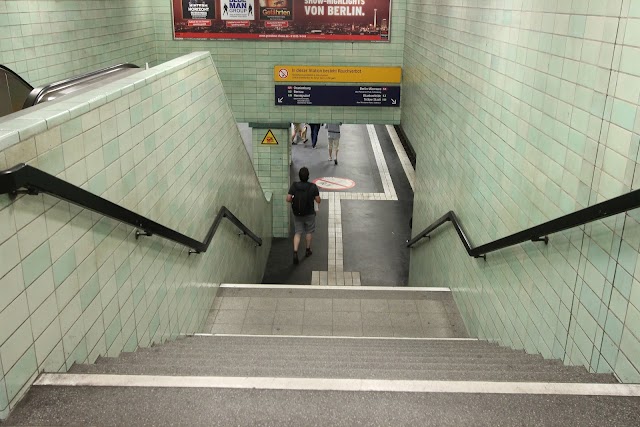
350, 288
334, 337
338, 384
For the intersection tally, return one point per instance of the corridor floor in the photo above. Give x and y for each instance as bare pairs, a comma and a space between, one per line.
361, 231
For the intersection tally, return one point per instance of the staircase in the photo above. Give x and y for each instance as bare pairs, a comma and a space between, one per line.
272, 379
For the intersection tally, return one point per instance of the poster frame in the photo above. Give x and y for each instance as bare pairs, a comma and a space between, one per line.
249, 37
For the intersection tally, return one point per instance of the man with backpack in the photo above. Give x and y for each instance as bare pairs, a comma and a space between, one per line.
301, 195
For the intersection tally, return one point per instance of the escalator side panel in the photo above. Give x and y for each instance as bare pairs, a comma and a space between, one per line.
13, 91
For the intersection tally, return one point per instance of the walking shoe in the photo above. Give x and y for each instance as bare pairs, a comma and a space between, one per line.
309, 253
335, 161
294, 143
314, 147
330, 159
295, 258
305, 141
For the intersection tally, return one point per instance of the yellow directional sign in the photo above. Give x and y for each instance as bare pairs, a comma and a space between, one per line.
303, 73
269, 139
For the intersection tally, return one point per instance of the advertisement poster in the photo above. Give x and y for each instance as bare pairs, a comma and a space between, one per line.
332, 20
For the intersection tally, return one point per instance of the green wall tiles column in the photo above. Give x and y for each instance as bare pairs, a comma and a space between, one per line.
49, 40
271, 163
521, 112
87, 287
246, 68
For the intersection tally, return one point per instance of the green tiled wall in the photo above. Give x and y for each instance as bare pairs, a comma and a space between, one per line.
48, 40
271, 163
246, 69
521, 111
76, 285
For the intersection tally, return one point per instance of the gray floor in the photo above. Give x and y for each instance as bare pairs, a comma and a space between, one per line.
374, 232
355, 159
335, 312
374, 240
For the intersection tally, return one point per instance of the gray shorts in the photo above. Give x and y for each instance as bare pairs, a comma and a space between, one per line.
304, 224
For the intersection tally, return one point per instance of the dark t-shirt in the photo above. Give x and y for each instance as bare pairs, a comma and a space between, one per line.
312, 193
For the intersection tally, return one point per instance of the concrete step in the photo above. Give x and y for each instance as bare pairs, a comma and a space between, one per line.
47, 405
341, 292
443, 365
302, 347
333, 356
293, 356
360, 342
572, 375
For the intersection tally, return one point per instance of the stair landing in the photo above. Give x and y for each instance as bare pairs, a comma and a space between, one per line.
335, 311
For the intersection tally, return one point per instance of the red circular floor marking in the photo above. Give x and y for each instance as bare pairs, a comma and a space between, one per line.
334, 183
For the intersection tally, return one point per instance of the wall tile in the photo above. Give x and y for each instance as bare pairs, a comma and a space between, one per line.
104, 33
91, 287
507, 146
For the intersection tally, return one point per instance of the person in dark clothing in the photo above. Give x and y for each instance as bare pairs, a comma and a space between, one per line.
315, 129
302, 196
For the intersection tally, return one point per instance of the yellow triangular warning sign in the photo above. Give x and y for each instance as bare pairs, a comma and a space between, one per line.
269, 139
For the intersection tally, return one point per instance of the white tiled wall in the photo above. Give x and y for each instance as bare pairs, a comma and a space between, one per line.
521, 111
76, 285
49, 40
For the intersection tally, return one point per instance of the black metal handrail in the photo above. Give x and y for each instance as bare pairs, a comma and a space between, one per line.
38, 93
35, 181
539, 233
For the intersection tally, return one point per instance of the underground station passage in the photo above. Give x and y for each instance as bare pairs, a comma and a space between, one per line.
383, 212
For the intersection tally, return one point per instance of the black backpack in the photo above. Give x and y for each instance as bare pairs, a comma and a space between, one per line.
300, 202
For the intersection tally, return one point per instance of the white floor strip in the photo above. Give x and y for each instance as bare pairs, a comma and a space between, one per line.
337, 337
350, 288
385, 176
329, 384
402, 154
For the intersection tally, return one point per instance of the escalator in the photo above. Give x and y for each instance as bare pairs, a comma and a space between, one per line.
17, 94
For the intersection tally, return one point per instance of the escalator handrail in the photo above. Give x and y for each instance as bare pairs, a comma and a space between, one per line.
538, 233
16, 75
35, 181
38, 93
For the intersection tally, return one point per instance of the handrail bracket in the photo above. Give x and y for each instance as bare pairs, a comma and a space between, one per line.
544, 239
142, 233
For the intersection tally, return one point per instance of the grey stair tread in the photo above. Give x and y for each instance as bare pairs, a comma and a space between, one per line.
345, 293
364, 342
195, 407
569, 375
390, 359
416, 367
327, 349
435, 365
332, 356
